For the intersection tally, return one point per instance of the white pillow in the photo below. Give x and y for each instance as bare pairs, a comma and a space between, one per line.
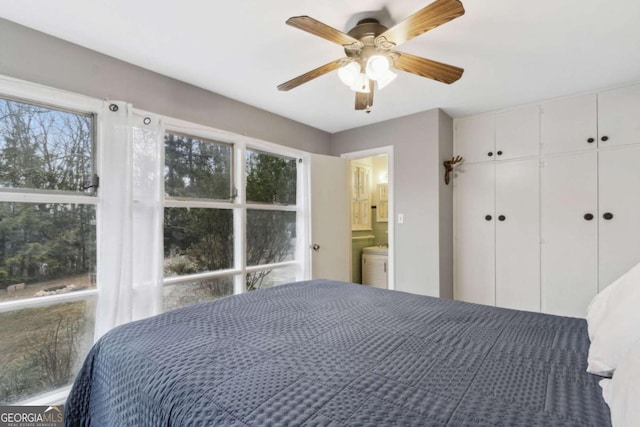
613, 322
622, 393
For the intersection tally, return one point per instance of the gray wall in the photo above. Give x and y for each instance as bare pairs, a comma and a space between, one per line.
36, 57
445, 229
421, 143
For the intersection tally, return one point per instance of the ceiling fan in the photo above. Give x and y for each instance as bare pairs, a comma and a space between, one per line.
370, 51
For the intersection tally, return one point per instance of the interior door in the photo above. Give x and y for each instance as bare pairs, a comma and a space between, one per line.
330, 214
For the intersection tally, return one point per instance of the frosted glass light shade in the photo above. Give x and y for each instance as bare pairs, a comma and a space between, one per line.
377, 67
349, 73
385, 79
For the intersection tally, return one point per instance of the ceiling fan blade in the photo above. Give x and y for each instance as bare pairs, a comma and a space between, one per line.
317, 28
364, 101
437, 13
427, 68
304, 78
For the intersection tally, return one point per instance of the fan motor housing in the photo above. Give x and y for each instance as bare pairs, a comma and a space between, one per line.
367, 30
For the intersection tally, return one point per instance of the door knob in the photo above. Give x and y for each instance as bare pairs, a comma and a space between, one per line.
315, 247
607, 216
588, 216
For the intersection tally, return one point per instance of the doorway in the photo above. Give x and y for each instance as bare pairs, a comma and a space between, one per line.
371, 217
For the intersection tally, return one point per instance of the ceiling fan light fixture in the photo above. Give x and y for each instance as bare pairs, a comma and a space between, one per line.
362, 84
385, 79
377, 67
349, 73
370, 51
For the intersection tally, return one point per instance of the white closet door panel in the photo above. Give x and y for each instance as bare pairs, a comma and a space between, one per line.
518, 133
620, 196
569, 240
569, 124
474, 138
518, 236
619, 116
475, 235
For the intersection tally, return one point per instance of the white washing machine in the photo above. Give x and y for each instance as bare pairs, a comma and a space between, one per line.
375, 266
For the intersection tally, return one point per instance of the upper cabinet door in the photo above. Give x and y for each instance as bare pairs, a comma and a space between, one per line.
619, 116
569, 125
474, 138
518, 133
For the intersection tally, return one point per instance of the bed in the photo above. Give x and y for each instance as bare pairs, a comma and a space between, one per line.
327, 353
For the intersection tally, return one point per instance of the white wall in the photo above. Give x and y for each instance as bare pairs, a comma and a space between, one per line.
37, 57
421, 143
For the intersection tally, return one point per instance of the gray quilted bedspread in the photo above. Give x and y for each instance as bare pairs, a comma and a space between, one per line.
325, 353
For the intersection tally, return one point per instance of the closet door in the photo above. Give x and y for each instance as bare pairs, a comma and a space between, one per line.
569, 125
518, 235
474, 138
619, 216
569, 222
475, 234
618, 116
518, 133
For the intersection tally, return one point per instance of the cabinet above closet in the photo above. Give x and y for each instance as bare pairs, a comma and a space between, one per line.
605, 119
588, 122
499, 136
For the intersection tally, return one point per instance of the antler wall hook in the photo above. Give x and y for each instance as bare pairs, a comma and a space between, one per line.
448, 167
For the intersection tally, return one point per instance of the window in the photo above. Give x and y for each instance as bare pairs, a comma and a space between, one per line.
271, 218
197, 168
198, 234
47, 247
231, 220
220, 239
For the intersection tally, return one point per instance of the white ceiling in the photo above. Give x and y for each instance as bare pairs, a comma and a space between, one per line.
513, 52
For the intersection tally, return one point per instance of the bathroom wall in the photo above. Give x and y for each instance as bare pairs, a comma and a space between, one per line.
379, 171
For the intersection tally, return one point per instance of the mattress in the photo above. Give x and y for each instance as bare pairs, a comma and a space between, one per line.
326, 353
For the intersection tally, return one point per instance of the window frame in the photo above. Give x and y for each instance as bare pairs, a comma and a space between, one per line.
30, 93
19, 91
239, 204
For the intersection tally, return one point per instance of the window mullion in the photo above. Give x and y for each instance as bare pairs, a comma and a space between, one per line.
240, 220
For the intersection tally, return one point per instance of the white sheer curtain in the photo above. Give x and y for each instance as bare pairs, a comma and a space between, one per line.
129, 217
